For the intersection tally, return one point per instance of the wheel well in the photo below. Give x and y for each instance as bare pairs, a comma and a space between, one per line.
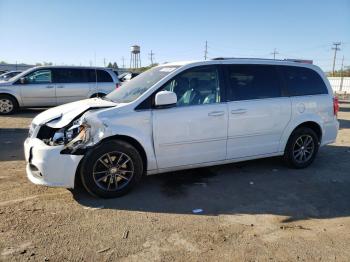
128, 139
314, 126
98, 95
135, 144
12, 96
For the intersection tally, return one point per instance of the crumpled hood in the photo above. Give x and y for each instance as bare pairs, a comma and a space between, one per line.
60, 116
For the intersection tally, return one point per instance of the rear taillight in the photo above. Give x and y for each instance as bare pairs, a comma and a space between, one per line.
335, 105
117, 85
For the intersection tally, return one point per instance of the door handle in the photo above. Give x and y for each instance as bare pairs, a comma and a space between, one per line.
60, 86
216, 113
238, 111
49, 86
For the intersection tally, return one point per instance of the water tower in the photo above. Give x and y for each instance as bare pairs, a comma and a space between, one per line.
135, 59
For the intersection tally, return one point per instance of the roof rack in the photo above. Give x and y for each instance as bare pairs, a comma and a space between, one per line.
305, 61
255, 58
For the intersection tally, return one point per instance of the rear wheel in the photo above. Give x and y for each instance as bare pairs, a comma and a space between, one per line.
8, 105
301, 148
111, 169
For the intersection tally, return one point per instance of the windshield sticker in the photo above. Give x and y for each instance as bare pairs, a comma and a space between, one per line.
167, 69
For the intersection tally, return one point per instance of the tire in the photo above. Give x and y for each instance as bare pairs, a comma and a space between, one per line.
8, 105
302, 148
111, 169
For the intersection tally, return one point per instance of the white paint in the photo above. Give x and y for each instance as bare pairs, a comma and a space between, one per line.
191, 136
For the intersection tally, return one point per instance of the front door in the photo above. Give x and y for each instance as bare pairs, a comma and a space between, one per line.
258, 112
195, 131
38, 89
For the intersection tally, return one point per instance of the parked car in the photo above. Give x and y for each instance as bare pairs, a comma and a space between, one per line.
184, 115
8, 75
54, 85
3, 72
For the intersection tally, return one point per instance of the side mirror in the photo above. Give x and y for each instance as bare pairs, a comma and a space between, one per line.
23, 80
165, 98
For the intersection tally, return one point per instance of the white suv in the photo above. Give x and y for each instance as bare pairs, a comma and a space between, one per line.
184, 115
54, 85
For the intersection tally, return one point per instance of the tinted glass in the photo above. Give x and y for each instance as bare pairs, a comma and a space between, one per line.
39, 77
247, 82
134, 88
91, 75
196, 86
68, 75
303, 81
103, 76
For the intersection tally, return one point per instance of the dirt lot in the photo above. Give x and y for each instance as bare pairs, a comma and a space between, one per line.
252, 211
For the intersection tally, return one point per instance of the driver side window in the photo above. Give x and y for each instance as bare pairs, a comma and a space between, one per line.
196, 86
39, 77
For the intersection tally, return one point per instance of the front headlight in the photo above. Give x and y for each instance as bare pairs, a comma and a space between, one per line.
31, 129
73, 137
78, 136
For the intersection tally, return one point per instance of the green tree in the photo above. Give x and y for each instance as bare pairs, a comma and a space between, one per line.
115, 66
110, 65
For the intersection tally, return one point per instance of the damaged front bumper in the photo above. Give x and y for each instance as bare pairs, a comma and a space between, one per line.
47, 166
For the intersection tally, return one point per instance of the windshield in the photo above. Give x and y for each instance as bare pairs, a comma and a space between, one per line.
134, 88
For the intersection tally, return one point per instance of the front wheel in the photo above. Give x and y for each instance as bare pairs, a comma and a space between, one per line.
301, 148
8, 105
111, 169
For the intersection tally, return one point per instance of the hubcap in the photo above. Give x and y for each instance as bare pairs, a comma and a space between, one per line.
113, 171
303, 148
6, 105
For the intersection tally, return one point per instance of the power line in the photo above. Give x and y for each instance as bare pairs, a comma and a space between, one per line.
151, 55
274, 53
335, 48
206, 50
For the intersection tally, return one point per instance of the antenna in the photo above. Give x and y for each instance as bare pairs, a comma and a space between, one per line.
206, 50
96, 85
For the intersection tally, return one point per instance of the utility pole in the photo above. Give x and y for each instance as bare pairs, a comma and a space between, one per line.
206, 50
274, 53
335, 48
104, 62
123, 61
151, 55
342, 75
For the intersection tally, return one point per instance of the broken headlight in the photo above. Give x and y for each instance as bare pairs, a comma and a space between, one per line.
73, 136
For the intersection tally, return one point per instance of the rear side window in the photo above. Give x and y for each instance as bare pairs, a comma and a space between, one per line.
303, 81
69, 75
246, 82
103, 76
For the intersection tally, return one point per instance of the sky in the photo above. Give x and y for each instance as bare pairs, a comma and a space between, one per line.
91, 31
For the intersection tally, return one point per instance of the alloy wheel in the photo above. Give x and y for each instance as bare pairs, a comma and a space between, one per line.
303, 148
113, 171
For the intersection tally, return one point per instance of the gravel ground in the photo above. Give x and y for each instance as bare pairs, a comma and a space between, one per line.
252, 211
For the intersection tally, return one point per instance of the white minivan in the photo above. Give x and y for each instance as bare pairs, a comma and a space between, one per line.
45, 86
184, 115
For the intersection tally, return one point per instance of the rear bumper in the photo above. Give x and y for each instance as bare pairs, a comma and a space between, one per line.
330, 132
47, 166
